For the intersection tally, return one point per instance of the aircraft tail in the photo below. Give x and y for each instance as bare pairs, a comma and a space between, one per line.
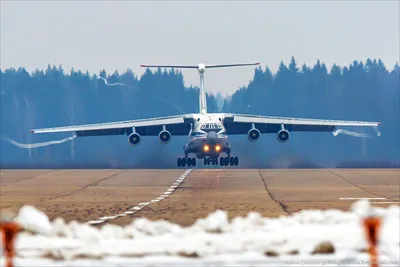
201, 69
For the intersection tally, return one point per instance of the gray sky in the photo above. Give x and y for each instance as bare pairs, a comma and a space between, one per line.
92, 35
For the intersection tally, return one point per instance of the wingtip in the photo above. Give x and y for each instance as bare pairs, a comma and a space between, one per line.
379, 123
32, 131
142, 65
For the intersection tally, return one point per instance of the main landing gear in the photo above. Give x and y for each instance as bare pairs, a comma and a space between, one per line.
232, 161
183, 162
222, 161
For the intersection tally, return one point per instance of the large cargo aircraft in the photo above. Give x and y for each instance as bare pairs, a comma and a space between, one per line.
207, 132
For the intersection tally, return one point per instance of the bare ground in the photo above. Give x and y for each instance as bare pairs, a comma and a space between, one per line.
85, 195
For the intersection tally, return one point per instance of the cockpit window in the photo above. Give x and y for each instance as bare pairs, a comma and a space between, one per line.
211, 126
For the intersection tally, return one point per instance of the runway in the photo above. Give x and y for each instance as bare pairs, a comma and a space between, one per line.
183, 196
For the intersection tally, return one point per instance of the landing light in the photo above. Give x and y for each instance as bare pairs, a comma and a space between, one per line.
206, 148
217, 148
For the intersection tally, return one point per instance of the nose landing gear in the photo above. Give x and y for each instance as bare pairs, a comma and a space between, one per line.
212, 161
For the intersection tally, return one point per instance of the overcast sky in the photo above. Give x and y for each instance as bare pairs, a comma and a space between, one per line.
92, 35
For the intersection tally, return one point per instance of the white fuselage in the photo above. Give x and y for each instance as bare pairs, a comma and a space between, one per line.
207, 136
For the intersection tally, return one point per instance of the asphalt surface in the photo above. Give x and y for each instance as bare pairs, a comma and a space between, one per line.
85, 195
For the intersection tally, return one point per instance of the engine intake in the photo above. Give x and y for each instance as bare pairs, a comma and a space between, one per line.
164, 136
283, 136
253, 135
134, 139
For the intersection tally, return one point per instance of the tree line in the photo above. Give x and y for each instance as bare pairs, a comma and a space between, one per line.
54, 97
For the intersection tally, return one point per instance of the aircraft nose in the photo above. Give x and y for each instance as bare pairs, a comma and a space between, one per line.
212, 137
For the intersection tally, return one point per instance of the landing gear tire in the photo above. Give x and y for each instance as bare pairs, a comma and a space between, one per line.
221, 161
228, 161
191, 162
182, 162
224, 161
236, 161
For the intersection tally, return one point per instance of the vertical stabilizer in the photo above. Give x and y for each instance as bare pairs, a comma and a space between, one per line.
202, 94
201, 69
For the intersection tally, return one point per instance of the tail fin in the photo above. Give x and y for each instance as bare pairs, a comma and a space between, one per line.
201, 69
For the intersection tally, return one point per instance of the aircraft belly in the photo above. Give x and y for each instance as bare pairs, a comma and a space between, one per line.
203, 140
196, 146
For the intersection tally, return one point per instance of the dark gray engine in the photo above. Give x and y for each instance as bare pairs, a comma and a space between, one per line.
134, 139
283, 136
253, 135
164, 136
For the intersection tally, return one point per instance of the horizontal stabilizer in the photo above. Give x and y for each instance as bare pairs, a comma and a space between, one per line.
231, 65
200, 66
171, 66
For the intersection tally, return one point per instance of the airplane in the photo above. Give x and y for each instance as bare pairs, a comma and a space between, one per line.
207, 132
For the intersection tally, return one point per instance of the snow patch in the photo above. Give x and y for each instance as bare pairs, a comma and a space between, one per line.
34, 220
338, 235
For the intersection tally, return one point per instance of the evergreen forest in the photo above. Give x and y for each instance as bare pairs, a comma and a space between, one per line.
362, 90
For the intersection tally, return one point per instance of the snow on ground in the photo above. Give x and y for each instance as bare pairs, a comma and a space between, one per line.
212, 241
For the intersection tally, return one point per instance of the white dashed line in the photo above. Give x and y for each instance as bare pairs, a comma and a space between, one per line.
386, 202
361, 198
129, 212
141, 205
95, 222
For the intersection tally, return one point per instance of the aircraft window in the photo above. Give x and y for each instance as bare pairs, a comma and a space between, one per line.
211, 126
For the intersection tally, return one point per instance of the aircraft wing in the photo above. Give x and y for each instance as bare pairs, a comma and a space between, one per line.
176, 125
241, 123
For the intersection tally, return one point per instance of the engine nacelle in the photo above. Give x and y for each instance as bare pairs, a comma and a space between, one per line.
283, 136
164, 136
134, 139
253, 135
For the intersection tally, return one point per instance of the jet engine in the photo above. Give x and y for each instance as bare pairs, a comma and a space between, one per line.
283, 136
253, 134
134, 139
164, 136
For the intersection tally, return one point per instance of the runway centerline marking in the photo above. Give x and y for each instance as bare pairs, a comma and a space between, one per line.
386, 202
362, 198
141, 205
